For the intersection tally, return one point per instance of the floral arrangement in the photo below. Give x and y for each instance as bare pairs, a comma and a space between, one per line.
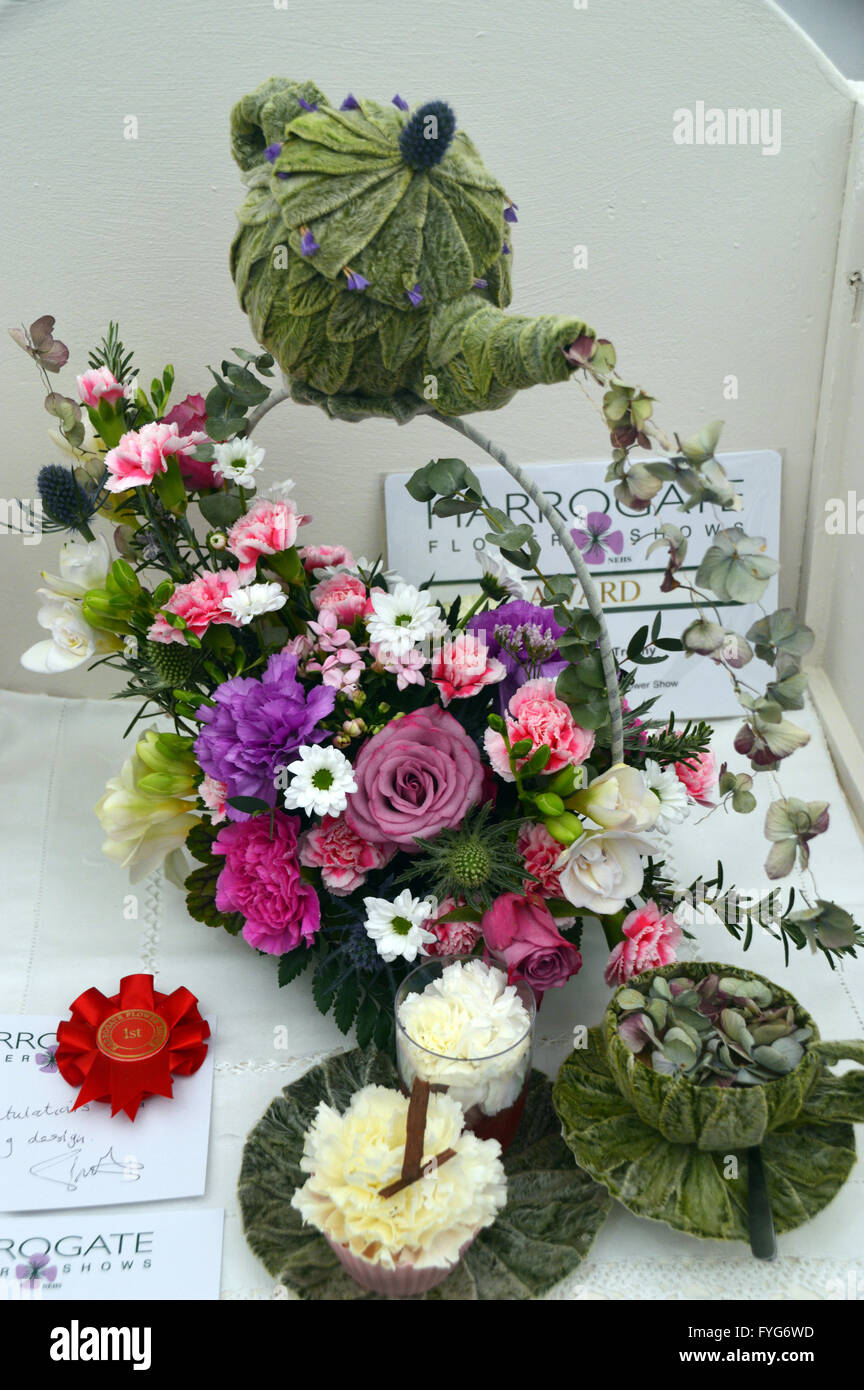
363, 775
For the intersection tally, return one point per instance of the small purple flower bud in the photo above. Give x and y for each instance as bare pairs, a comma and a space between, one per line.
400, 102
510, 212
350, 103
308, 105
505, 250
282, 174
308, 244
273, 151
480, 284
415, 295
355, 281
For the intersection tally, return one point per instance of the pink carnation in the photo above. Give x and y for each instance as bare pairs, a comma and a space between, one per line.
463, 666
141, 454
261, 880
343, 857
342, 594
190, 416
319, 557
199, 603
451, 938
100, 384
268, 528
536, 713
649, 941
213, 793
698, 777
540, 853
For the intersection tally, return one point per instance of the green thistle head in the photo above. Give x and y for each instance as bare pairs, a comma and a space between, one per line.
373, 258
474, 863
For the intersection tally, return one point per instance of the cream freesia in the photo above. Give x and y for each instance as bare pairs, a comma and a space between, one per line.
72, 641
602, 869
146, 812
619, 799
350, 1157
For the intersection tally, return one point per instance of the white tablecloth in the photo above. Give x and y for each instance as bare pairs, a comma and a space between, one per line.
67, 927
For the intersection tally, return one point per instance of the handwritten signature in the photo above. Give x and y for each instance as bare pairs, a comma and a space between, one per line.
69, 1172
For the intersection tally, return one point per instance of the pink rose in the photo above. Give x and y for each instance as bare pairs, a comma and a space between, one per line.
540, 853
520, 932
100, 384
649, 941
342, 594
319, 557
267, 528
451, 938
463, 666
343, 857
536, 713
190, 417
141, 454
697, 777
418, 775
261, 880
199, 603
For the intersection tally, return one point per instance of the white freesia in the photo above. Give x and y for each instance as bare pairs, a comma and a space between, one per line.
351, 1157
145, 828
602, 869
619, 799
397, 928
672, 795
402, 619
238, 460
469, 1031
321, 781
83, 566
250, 602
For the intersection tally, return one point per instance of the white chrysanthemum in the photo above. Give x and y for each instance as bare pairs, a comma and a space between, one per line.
505, 575
663, 782
397, 928
320, 783
253, 600
469, 1031
238, 459
402, 619
351, 1157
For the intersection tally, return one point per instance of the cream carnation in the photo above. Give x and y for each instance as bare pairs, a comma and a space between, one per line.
469, 1031
351, 1157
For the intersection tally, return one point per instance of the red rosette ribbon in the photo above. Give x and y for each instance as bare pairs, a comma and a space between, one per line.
127, 1047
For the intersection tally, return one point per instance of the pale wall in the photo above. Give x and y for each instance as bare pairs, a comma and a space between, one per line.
702, 261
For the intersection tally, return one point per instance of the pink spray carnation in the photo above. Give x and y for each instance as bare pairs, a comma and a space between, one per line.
540, 853
417, 776
698, 777
649, 941
199, 604
261, 880
462, 666
343, 857
342, 594
142, 454
319, 557
99, 384
190, 417
451, 938
536, 713
268, 528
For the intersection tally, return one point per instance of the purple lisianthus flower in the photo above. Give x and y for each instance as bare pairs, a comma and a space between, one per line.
256, 725
36, 1270
524, 637
596, 538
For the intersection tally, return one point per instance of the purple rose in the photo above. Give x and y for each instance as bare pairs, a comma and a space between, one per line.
525, 638
520, 933
256, 725
261, 880
417, 776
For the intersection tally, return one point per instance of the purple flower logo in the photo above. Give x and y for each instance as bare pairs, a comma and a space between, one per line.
36, 1270
47, 1060
596, 538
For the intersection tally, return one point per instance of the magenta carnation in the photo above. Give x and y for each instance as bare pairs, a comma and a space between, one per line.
190, 417
261, 880
256, 725
417, 776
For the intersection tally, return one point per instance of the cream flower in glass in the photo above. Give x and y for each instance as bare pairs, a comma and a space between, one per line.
397, 928
321, 781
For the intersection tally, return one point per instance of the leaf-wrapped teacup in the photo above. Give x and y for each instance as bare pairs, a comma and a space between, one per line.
711, 1055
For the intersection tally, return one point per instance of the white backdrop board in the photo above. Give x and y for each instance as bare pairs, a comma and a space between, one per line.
421, 546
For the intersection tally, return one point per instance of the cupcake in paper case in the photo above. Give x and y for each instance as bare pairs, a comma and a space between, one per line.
407, 1243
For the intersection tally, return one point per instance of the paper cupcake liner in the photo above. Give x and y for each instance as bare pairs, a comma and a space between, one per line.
403, 1282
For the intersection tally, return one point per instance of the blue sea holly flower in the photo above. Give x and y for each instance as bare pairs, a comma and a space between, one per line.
355, 281
415, 295
273, 151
